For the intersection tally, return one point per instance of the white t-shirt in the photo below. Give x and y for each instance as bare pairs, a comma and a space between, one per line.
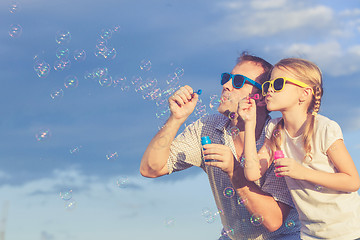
324, 213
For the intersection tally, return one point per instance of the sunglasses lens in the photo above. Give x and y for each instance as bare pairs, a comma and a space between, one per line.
279, 84
238, 81
265, 87
225, 77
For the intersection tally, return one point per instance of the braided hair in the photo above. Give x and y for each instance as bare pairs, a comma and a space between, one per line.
310, 74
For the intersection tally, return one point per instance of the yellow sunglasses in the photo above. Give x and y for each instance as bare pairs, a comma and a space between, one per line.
279, 83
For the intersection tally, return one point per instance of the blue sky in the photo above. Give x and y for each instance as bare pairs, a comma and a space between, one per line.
91, 121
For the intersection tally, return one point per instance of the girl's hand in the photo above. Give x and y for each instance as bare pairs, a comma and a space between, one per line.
221, 156
247, 109
289, 167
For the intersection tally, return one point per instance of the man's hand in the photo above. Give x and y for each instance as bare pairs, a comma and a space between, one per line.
182, 103
221, 157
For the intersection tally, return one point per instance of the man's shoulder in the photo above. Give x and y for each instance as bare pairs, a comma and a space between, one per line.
214, 118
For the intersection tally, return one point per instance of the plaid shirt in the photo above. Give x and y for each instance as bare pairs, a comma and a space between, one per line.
186, 151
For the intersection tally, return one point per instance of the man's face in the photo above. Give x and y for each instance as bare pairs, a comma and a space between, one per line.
231, 96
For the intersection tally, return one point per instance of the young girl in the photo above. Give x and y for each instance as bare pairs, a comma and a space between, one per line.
317, 167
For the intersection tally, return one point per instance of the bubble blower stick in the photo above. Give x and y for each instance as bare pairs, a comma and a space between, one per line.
255, 97
278, 154
232, 115
198, 92
206, 140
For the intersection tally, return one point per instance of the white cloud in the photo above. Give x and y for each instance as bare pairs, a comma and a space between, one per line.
331, 57
267, 4
350, 12
103, 210
267, 18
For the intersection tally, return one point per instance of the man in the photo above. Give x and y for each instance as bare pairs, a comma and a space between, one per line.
261, 210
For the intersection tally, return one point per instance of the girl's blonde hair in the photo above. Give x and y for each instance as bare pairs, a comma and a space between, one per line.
307, 72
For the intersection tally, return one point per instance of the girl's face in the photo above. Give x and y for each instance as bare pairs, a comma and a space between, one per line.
288, 97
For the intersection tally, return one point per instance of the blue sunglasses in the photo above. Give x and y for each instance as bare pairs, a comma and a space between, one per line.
238, 80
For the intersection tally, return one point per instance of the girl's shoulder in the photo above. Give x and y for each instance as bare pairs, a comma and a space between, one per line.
327, 127
270, 126
325, 123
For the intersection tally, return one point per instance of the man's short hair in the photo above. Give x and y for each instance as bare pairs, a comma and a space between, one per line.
245, 56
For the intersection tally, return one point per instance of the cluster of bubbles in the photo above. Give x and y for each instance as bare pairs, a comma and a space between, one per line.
70, 203
43, 134
63, 59
209, 216
15, 30
103, 48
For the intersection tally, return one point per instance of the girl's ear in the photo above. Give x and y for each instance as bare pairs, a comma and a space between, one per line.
306, 92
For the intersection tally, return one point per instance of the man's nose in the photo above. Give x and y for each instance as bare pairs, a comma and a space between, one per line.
228, 85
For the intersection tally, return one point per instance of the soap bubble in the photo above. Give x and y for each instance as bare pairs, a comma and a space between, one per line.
75, 149
42, 68
62, 37
112, 156
62, 52
62, 64
214, 101
122, 82
242, 201
71, 81
79, 55
179, 72
15, 30
172, 79
122, 182
318, 188
106, 33
210, 219
105, 81
43, 134
289, 224
229, 192
169, 222
58, 93
100, 72
70, 205
145, 65
115, 28
205, 212
276, 133
234, 131
106, 52
256, 219
66, 194
14, 7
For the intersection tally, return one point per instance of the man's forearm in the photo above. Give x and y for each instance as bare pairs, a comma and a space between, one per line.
258, 202
153, 162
